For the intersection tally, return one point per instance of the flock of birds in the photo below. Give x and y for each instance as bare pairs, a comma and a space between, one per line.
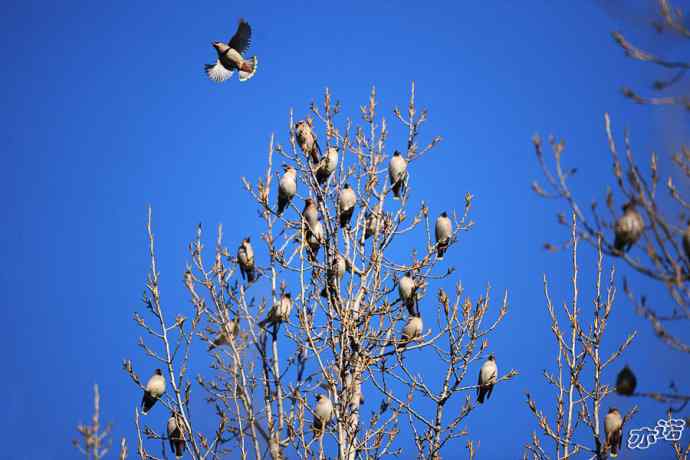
628, 230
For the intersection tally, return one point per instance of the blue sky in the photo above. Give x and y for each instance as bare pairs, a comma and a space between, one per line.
106, 109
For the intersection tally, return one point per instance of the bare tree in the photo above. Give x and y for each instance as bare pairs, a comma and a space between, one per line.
651, 234
670, 20
321, 324
95, 441
578, 379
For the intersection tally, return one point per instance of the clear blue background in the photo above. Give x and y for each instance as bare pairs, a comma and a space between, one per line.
105, 109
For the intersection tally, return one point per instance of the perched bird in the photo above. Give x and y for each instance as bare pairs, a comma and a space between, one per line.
356, 396
613, 426
327, 165
335, 272
371, 223
626, 382
307, 140
245, 257
346, 204
310, 213
287, 187
406, 290
225, 335
323, 413
444, 230
487, 378
230, 56
314, 239
154, 389
397, 169
628, 228
686, 241
175, 430
280, 312
412, 330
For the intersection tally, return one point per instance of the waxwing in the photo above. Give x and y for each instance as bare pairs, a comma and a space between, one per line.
245, 258
487, 379
230, 56
346, 204
397, 169
613, 426
628, 228
287, 188
280, 312
444, 230
154, 389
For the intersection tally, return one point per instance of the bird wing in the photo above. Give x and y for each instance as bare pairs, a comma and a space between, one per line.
217, 72
243, 37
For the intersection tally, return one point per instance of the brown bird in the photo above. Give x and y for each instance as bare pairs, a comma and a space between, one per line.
444, 230
397, 171
487, 379
412, 330
626, 382
287, 188
407, 291
323, 413
310, 212
346, 204
686, 241
230, 56
314, 239
371, 223
175, 430
225, 335
613, 426
335, 272
154, 389
280, 312
628, 228
245, 258
327, 165
307, 140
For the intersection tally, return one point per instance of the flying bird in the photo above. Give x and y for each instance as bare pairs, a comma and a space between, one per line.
286, 188
245, 258
487, 379
628, 228
397, 169
626, 382
444, 230
307, 140
323, 412
175, 424
327, 165
613, 426
346, 204
154, 389
280, 312
230, 56
225, 335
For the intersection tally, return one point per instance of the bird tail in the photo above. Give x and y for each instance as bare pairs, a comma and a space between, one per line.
282, 203
480, 397
398, 189
619, 244
441, 250
249, 68
251, 275
147, 403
